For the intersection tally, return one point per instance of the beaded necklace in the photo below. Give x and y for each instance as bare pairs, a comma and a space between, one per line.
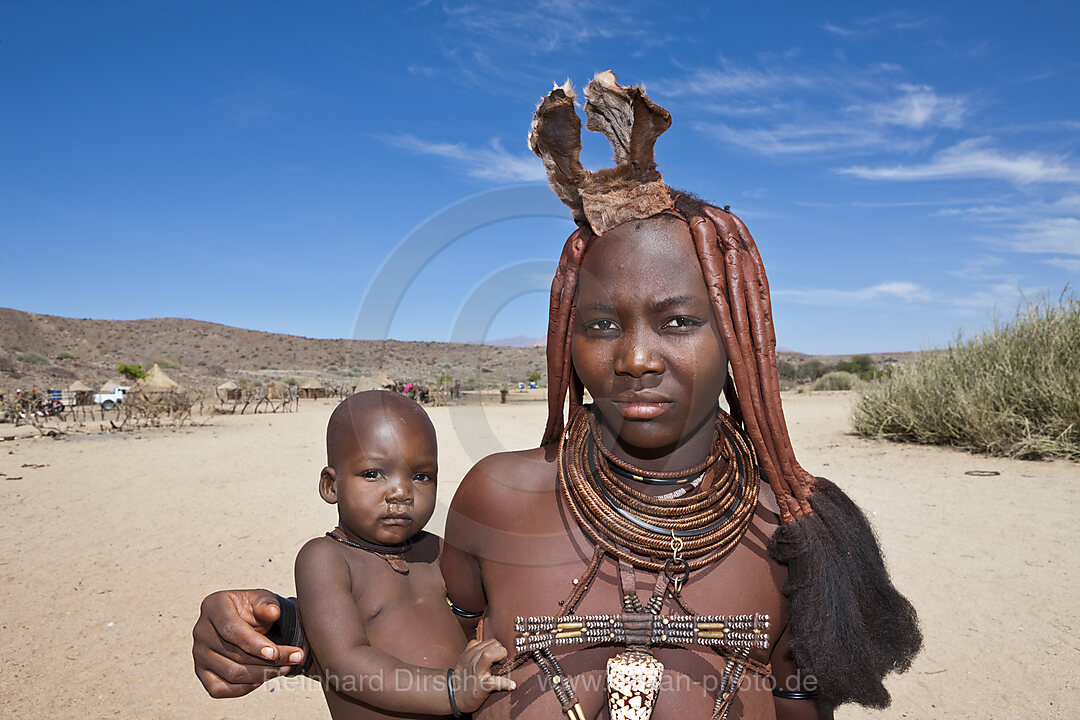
678, 534
394, 555
671, 535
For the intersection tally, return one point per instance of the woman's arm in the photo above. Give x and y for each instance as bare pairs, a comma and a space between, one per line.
232, 654
790, 681
459, 562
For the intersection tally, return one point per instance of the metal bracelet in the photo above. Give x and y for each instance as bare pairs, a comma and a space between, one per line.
450, 692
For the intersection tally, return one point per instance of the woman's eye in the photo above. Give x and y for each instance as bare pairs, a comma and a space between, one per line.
601, 325
682, 322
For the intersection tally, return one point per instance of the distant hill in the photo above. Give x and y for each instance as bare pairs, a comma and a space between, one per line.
49, 351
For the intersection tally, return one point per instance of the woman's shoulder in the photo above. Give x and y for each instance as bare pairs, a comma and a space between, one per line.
501, 481
515, 471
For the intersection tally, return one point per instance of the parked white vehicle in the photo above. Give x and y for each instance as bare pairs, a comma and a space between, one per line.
108, 401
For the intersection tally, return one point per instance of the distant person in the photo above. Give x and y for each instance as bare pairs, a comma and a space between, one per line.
370, 593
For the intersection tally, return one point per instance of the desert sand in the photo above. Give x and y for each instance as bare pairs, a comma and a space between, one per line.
109, 548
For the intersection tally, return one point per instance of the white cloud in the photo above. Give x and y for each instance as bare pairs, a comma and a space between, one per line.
974, 159
1049, 235
895, 20
988, 299
487, 163
734, 79
918, 107
1070, 264
978, 266
794, 139
837, 30
896, 290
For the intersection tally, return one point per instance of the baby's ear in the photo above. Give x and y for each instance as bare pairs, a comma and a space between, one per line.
328, 485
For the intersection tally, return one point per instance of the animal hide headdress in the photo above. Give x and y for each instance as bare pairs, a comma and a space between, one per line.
602, 199
848, 626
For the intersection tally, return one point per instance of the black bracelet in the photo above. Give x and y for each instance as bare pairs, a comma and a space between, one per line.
463, 613
795, 694
288, 631
450, 691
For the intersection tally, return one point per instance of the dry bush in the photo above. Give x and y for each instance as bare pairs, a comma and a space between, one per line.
1014, 390
153, 409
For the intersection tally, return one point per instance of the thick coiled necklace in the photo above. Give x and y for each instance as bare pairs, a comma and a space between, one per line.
695, 529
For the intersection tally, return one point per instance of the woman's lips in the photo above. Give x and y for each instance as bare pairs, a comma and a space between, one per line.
641, 410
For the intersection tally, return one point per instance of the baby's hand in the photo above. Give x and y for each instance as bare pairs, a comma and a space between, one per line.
472, 678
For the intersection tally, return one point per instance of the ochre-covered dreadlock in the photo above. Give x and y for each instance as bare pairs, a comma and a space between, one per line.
848, 624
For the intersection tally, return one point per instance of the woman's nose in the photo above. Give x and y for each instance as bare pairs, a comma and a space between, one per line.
637, 357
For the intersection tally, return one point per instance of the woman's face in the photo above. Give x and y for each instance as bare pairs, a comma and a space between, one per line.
645, 344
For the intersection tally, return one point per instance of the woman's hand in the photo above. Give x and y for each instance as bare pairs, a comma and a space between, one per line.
232, 654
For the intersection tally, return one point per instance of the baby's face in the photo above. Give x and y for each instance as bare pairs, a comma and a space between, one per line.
384, 479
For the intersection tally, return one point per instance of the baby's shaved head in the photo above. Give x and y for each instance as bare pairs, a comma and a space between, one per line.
364, 410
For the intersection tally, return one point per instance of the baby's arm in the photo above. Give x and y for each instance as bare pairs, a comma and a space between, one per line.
351, 666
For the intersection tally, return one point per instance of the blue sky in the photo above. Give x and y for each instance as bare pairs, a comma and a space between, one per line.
905, 172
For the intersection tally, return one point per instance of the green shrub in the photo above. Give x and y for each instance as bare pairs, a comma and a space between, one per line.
131, 372
1014, 390
65, 355
291, 381
812, 369
786, 370
201, 363
861, 365
332, 368
838, 380
169, 364
33, 358
533, 377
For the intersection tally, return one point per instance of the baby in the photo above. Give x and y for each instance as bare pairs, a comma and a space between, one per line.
370, 594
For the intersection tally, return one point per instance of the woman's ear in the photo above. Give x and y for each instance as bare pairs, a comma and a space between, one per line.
328, 485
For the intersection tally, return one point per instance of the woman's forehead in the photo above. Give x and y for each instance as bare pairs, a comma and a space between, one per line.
645, 255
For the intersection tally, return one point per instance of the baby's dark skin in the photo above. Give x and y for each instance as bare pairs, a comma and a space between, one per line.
643, 324
382, 638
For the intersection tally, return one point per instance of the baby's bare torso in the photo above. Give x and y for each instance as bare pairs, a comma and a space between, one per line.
405, 615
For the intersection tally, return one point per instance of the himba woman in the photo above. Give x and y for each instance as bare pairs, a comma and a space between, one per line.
655, 554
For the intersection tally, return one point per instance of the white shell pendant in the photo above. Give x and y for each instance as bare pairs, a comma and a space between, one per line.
633, 681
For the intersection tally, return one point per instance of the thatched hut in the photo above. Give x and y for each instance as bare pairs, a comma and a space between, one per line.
276, 390
313, 389
156, 381
362, 384
228, 391
80, 394
382, 380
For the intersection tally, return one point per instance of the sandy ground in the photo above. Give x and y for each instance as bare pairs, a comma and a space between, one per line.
110, 547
